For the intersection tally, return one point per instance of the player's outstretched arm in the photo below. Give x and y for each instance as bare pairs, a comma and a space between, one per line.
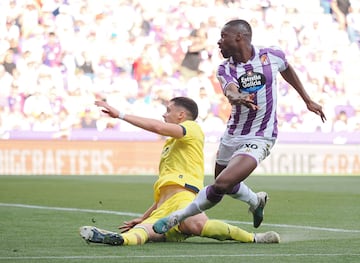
292, 78
152, 125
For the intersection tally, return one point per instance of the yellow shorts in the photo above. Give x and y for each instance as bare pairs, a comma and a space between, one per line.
176, 202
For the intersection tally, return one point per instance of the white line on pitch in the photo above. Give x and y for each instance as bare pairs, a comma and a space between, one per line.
69, 209
179, 256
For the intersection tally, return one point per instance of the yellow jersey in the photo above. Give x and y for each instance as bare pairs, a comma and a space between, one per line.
182, 160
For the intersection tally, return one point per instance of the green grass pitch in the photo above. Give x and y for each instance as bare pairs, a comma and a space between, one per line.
318, 218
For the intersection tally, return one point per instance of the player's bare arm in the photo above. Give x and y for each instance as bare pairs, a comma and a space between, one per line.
127, 225
236, 97
292, 78
152, 125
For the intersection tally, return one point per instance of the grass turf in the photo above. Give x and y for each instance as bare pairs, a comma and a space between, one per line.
317, 218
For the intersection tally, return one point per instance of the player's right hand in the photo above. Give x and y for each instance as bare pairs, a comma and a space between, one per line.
130, 224
238, 98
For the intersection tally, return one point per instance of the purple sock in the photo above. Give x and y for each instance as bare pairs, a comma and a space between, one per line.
235, 189
212, 195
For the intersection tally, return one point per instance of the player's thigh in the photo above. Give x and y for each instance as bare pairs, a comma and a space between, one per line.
155, 237
245, 157
224, 154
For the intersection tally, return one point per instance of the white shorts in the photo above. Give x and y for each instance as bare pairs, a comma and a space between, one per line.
258, 148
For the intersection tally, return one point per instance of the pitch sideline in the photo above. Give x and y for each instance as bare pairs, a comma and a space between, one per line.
179, 256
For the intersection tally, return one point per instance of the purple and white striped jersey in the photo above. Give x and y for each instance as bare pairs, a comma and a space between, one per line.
258, 76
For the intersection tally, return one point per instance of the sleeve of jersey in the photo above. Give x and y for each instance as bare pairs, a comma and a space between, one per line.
186, 126
224, 76
191, 130
279, 56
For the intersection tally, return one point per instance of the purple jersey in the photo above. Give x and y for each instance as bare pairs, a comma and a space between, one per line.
258, 76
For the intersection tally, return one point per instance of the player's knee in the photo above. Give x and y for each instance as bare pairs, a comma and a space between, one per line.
193, 225
222, 187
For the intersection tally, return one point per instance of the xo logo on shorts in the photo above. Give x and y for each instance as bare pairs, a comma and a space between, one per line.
249, 146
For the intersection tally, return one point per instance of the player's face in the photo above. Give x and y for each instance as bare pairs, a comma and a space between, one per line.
227, 42
172, 114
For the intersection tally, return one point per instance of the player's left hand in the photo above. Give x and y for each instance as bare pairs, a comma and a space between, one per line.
317, 109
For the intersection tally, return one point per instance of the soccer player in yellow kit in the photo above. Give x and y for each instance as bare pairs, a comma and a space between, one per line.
181, 176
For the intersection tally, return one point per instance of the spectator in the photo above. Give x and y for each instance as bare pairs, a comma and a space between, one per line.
87, 120
354, 121
9, 62
193, 56
15, 99
204, 103
29, 18
341, 122
36, 104
325, 4
16, 120
340, 9
84, 63
353, 23
200, 81
44, 123
5, 82
52, 55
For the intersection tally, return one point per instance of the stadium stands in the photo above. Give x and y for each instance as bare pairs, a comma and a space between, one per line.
57, 57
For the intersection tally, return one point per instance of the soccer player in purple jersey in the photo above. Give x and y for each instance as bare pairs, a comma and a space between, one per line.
248, 79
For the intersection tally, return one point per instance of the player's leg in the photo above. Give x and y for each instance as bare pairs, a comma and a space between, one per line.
224, 155
257, 149
227, 155
144, 232
240, 191
201, 225
140, 235
238, 169
200, 203
256, 201
218, 169
220, 230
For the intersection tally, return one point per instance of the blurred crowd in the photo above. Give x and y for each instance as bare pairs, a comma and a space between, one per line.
58, 56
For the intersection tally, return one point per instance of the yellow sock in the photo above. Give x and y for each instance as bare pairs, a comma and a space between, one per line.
135, 236
222, 231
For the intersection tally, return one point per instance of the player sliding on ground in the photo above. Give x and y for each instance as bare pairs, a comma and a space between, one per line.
181, 176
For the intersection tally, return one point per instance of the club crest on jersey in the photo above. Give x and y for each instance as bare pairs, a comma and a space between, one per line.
251, 81
264, 59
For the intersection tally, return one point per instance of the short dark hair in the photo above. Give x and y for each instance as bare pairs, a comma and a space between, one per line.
242, 26
189, 104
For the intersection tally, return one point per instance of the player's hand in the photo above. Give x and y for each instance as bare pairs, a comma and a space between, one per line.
243, 99
106, 108
130, 224
317, 109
